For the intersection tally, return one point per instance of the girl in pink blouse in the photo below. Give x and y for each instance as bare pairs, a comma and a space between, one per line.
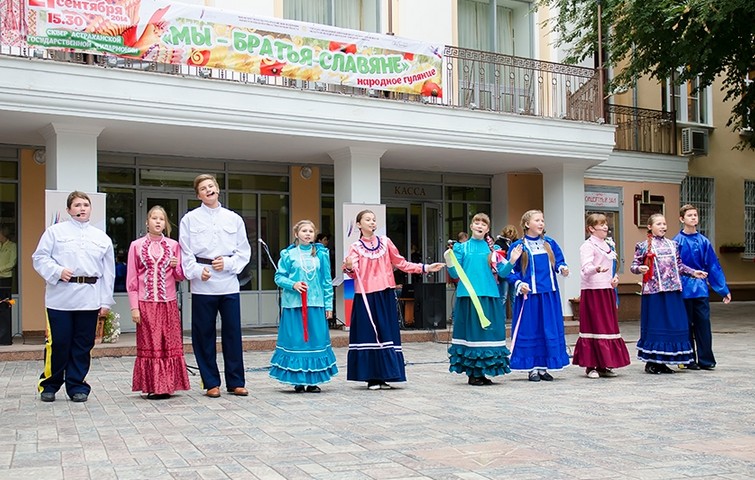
154, 267
600, 347
375, 354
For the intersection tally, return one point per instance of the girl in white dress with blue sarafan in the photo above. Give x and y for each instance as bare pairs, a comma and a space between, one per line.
538, 342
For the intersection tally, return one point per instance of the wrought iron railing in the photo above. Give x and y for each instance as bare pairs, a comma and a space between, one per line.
642, 129
473, 79
505, 83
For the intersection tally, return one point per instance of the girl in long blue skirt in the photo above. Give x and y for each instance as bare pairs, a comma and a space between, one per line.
303, 355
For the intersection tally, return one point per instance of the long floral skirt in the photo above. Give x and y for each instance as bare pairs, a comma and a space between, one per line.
160, 367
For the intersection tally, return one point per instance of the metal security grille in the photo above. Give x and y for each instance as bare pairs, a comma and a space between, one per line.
749, 218
699, 191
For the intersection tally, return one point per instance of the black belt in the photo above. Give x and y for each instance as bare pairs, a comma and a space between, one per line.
204, 261
89, 280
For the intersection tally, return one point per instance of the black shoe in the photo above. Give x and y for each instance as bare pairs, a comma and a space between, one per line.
652, 368
47, 396
476, 381
663, 368
545, 376
299, 388
313, 389
534, 377
79, 397
692, 366
707, 367
486, 381
158, 396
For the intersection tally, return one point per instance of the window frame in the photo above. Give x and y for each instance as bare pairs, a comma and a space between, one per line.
704, 202
703, 97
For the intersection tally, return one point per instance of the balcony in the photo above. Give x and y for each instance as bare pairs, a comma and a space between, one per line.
643, 130
474, 80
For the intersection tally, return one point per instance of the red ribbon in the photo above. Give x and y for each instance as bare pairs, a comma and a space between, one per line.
649, 261
304, 315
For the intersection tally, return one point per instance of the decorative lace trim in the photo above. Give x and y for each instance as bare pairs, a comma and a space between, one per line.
156, 269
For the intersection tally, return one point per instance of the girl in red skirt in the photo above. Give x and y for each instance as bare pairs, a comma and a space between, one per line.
154, 267
600, 347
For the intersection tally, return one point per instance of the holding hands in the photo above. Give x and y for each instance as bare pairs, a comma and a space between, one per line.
700, 274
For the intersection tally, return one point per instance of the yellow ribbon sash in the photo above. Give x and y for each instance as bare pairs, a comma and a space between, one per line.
452, 261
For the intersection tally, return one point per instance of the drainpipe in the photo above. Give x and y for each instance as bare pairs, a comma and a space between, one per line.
601, 69
390, 17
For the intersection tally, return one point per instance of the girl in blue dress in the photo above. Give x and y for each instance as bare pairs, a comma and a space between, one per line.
475, 350
538, 341
303, 355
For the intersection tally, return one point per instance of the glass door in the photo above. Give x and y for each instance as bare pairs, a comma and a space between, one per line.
432, 236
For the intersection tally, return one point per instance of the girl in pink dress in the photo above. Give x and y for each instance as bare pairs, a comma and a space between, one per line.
375, 354
154, 267
600, 347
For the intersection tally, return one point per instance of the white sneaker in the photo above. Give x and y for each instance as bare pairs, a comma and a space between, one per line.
373, 386
385, 386
593, 374
608, 373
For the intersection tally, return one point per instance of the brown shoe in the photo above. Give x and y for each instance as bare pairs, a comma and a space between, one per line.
213, 392
239, 391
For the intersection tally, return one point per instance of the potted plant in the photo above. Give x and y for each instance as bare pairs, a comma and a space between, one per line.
575, 307
732, 248
108, 328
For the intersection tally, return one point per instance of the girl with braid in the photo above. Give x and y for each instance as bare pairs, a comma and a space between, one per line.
664, 330
538, 341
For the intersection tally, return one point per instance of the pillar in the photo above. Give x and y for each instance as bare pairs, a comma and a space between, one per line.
71, 157
564, 209
357, 180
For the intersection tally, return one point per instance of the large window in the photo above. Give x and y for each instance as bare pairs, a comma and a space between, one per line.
8, 222
463, 203
691, 103
262, 200
698, 191
502, 26
749, 218
354, 14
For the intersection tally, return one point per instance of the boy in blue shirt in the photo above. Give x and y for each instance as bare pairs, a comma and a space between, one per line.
697, 252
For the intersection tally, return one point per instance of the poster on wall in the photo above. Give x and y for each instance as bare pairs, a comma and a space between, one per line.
179, 34
56, 211
350, 232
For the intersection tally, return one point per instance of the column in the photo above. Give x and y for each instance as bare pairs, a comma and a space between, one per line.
357, 180
71, 157
499, 211
564, 209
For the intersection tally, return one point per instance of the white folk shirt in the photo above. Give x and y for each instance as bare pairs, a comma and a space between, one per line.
86, 251
210, 233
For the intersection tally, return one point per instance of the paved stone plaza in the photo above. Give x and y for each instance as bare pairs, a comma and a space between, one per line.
636, 426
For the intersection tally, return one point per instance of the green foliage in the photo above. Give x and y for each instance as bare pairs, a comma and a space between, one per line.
709, 38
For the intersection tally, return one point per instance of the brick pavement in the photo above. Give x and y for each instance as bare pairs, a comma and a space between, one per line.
636, 426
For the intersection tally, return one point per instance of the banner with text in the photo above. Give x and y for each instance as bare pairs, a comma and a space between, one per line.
175, 33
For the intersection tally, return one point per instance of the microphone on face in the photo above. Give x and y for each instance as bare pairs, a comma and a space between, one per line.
79, 214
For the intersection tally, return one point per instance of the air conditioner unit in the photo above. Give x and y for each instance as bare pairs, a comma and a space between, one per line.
694, 141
